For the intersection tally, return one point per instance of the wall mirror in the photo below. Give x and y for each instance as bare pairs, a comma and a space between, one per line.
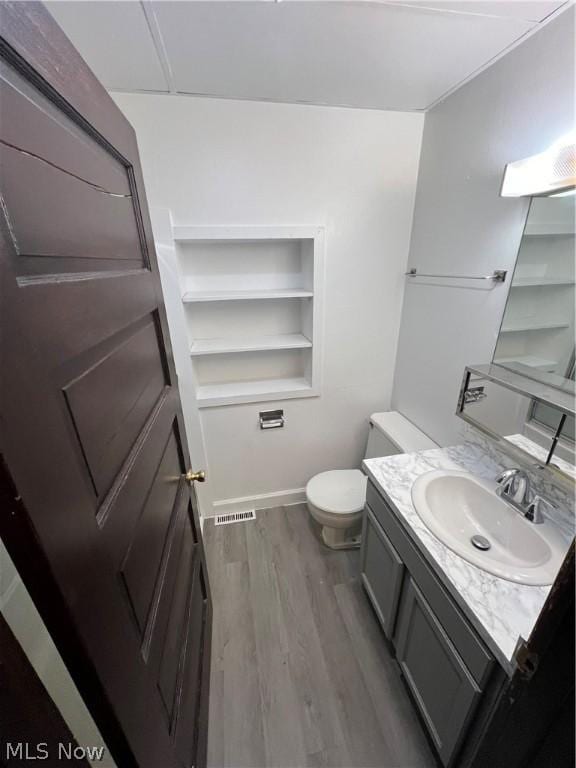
537, 334
531, 420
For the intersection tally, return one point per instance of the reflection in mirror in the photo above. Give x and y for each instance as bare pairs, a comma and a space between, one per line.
525, 416
543, 416
564, 449
504, 413
537, 333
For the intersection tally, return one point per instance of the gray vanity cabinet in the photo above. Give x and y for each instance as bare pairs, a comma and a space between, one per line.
382, 572
443, 660
443, 688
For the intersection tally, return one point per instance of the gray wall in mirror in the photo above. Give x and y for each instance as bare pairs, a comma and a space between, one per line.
516, 108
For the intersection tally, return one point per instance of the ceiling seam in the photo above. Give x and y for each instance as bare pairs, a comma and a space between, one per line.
262, 100
564, 7
423, 7
158, 42
504, 52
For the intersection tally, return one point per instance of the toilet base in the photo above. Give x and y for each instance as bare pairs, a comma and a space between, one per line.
339, 538
337, 530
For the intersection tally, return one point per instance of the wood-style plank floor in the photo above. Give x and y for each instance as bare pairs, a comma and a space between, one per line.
301, 674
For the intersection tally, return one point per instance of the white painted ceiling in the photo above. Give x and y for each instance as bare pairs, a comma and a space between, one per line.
402, 55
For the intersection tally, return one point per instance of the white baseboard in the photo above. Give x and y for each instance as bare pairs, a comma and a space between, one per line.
262, 501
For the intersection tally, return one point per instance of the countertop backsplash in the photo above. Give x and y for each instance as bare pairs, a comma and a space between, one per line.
564, 514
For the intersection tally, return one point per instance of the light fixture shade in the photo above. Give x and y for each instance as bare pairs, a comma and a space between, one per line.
550, 172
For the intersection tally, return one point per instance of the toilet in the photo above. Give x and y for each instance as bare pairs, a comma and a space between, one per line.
336, 498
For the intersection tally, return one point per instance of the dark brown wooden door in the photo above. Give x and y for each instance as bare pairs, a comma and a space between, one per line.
96, 513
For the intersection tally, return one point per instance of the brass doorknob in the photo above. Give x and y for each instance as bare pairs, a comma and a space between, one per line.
195, 477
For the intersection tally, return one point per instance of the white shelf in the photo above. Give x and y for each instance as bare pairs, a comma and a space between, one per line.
535, 327
184, 234
255, 344
530, 360
251, 391
567, 233
194, 297
530, 282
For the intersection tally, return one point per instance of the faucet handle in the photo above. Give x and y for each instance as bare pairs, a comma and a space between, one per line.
506, 480
506, 475
514, 483
536, 506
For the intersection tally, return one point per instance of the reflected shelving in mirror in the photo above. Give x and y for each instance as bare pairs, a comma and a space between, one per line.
537, 331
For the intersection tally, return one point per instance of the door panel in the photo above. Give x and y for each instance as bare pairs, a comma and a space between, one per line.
167, 585
40, 128
54, 172
176, 630
142, 561
197, 643
130, 371
93, 224
103, 526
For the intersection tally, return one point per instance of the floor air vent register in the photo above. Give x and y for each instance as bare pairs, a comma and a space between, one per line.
235, 517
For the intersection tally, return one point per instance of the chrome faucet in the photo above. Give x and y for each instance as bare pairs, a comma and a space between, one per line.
513, 485
514, 488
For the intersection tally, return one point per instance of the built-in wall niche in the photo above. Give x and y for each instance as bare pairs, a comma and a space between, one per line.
252, 300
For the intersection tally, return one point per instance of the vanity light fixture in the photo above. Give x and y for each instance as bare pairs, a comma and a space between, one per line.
549, 173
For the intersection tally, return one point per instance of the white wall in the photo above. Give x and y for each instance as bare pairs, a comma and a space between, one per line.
352, 171
517, 107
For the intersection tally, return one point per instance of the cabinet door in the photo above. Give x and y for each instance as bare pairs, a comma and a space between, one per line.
443, 688
382, 572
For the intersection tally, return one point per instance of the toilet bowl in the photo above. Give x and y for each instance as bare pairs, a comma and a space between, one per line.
335, 500
337, 497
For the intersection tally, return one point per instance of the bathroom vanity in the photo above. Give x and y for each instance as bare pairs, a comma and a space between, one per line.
453, 627
458, 573
444, 662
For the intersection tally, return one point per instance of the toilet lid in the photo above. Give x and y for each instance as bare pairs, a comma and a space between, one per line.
341, 491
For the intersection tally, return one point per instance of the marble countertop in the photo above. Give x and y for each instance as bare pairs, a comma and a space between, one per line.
502, 611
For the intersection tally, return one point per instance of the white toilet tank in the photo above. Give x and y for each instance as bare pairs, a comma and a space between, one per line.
391, 433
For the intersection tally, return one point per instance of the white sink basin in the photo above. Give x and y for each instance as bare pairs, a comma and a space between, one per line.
456, 506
